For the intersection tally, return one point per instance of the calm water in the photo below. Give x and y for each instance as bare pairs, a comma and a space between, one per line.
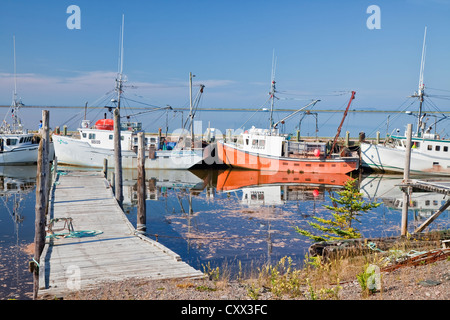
216, 218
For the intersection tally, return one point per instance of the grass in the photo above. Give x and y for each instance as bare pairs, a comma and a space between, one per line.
317, 279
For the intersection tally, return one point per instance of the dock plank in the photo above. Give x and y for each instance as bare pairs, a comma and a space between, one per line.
115, 253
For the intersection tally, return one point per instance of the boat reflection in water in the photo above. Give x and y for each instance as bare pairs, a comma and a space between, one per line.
17, 185
213, 216
386, 188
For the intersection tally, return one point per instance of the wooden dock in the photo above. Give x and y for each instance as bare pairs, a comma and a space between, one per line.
437, 186
105, 246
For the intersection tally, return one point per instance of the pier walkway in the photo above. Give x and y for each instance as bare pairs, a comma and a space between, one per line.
103, 245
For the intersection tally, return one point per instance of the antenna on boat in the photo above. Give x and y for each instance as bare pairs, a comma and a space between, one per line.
16, 104
420, 92
119, 80
272, 90
15, 74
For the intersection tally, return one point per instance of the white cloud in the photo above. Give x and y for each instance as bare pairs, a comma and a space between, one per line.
36, 89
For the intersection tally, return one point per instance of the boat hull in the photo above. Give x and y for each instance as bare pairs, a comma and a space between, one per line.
23, 156
74, 152
382, 158
230, 155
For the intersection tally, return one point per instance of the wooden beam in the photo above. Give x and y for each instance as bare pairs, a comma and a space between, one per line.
433, 217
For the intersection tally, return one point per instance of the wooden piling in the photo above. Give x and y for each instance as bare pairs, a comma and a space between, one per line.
141, 225
105, 168
406, 191
55, 168
42, 177
118, 189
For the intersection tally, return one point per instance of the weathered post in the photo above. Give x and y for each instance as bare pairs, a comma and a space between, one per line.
42, 177
105, 168
55, 169
406, 190
118, 191
141, 209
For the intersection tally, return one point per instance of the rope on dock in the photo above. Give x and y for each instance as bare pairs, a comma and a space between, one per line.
75, 234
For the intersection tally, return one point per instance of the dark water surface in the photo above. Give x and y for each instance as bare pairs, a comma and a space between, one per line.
235, 220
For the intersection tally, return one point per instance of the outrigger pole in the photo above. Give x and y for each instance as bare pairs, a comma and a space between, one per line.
342, 122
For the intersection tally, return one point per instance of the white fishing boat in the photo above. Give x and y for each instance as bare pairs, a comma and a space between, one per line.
429, 154
95, 143
17, 145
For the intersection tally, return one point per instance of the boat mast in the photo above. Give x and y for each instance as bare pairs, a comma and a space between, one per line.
119, 80
16, 104
15, 74
191, 115
420, 94
272, 91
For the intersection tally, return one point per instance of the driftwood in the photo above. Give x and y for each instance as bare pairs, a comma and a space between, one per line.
354, 247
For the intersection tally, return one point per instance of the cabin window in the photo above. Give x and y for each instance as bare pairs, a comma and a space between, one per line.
91, 136
429, 147
246, 142
445, 149
122, 138
152, 140
111, 136
84, 135
254, 143
438, 148
262, 143
21, 140
11, 142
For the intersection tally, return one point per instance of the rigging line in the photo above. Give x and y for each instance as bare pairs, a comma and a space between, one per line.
255, 113
334, 114
439, 96
102, 98
397, 115
438, 89
143, 103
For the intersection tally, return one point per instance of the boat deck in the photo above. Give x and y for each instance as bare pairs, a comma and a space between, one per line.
111, 250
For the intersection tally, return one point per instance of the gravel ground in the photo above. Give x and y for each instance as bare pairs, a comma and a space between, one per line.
426, 282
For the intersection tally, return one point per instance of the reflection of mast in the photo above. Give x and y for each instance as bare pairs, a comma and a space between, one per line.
12, 193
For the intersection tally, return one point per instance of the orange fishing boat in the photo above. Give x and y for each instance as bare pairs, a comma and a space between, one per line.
268, 150
307, 157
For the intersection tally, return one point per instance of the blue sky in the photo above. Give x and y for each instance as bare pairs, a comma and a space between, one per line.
322, 48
